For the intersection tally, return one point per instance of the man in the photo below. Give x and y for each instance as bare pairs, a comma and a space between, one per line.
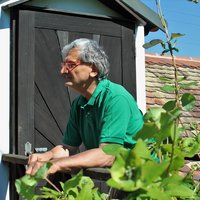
103, 113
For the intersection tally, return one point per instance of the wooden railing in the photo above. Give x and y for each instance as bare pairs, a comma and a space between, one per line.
95, 173
17, 164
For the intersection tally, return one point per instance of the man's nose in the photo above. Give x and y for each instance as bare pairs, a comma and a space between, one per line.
64, 70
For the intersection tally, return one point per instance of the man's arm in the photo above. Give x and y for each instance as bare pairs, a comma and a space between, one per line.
90, 158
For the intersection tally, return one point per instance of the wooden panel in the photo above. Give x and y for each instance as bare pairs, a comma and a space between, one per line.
48, 78
45, 124
73, 23
25, 79
112, 47
52, 99
128, 60
42, 140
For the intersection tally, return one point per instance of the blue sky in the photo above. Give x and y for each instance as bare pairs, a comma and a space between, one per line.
182, 17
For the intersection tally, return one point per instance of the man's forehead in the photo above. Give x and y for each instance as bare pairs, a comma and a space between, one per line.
73, 54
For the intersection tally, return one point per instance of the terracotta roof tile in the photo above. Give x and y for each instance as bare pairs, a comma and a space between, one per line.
166, 60
157, 66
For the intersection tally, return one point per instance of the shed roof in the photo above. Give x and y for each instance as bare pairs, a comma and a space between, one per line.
151, 17
138, 10
181, 61
134, 9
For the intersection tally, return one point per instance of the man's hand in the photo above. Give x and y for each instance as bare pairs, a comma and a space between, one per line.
33, 167
37, 160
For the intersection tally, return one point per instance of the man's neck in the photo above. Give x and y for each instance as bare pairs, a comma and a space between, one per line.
87, 89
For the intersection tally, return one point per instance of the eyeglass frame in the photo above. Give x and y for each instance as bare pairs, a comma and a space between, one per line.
66, 64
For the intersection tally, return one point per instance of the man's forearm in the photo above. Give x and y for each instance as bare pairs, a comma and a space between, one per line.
91, 158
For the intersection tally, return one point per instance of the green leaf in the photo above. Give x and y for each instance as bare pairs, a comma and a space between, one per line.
177, 162
28, 180
147, 132
49, 193
86, 181
165, 51
118, 168
72, 183
112, 149
99, 196
25, 189
179, 190
156, 194
170, 105
165, 132
42, 172
141, 150
188, 101
154, 114
175, 49
186, 85
49, 190
152, 43
175, 35
190, 147
182, 79
85, 193
175, 187
169, 117
127, 185
146, 172
25, 186
168, 88
165, 79
174, 178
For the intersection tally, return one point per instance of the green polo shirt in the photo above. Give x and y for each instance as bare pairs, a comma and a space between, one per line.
110, 116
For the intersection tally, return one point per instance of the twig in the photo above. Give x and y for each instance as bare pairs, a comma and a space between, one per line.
52, 184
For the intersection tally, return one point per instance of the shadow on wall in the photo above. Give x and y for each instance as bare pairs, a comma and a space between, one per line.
4, 19
4, 180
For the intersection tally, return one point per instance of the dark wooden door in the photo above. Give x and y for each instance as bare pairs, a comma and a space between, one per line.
43, 101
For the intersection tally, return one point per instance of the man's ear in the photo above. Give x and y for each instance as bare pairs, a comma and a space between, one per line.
94, 71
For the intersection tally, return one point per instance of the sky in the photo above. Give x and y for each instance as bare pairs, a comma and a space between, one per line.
182, 17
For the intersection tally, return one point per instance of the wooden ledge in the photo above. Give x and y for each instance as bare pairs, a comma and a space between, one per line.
95, 173
15, 159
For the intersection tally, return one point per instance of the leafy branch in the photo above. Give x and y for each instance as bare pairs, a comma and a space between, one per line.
77, 188
151, 169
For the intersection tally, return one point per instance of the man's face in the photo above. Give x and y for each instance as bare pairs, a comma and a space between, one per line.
77, 73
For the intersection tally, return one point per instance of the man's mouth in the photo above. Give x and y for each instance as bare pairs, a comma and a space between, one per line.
68, 77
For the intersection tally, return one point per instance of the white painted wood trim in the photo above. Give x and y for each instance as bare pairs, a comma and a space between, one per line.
140, 68
4, 100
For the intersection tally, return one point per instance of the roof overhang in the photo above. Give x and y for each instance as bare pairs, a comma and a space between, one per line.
133, 9
11, 3
138, 10
151, 17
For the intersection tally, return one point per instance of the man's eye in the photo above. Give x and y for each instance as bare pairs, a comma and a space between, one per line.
71, 65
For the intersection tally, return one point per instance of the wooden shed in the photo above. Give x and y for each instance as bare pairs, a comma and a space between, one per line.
35, 104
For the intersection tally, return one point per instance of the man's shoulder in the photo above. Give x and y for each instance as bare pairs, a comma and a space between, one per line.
117, 89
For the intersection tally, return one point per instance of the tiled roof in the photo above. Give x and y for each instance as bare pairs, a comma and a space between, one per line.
158, 66
166, 60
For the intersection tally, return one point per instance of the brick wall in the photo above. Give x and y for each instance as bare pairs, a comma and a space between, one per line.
157, 66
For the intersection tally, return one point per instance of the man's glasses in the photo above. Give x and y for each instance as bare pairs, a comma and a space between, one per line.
69, 65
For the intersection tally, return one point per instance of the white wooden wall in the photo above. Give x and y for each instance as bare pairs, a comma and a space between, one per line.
4, 99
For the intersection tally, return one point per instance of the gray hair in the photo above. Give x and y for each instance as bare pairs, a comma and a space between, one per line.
92, 53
